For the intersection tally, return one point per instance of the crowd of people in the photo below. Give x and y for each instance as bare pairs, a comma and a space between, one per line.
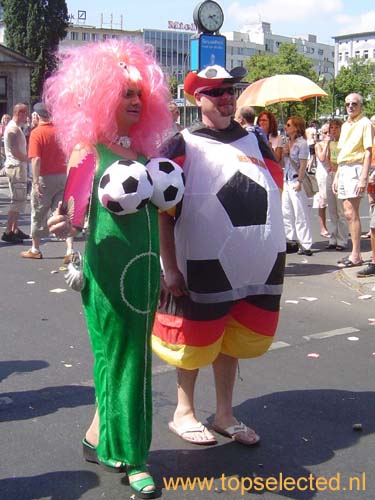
302, 148
213, 309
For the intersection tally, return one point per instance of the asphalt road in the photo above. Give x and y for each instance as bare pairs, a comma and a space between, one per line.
303, 397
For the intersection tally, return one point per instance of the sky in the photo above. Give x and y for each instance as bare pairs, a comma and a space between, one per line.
324, 18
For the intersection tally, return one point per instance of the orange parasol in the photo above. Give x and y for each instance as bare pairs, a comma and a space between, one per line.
279, 88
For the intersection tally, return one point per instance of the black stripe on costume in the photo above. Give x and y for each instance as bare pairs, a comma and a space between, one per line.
206, 276
173, 147
184, 307
276, 276
266, 302
225, 136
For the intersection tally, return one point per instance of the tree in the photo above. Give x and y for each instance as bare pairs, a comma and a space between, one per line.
34, 28
287, 61
173, 85
359, 77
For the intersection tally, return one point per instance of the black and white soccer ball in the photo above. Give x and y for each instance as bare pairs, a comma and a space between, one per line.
169, 182
125, 187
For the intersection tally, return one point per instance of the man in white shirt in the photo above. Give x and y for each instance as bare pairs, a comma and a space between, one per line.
16, 171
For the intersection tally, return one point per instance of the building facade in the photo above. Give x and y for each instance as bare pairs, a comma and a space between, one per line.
172, 46
354, 45
15, 73
258, 38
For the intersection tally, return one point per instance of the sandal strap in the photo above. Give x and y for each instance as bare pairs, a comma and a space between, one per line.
140, 484
136, 469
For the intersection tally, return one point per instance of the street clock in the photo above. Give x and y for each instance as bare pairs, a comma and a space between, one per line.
208, 16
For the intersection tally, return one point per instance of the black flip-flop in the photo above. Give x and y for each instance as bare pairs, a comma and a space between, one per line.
343, 259
348, 263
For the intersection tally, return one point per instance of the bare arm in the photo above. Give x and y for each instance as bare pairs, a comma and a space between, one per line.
321, 150
173, 278
35, 165
12, 143
60, 223
361, 186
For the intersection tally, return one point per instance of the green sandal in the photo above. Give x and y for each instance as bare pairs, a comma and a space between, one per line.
139, 485
90, 455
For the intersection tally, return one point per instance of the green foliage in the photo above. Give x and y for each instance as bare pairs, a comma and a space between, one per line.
34, 28
173, 85
287, 61
359, 77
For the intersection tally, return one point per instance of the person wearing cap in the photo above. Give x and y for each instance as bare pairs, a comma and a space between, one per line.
223, 255
48, 164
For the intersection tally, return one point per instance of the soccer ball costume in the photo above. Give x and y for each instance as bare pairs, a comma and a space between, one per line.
230, 248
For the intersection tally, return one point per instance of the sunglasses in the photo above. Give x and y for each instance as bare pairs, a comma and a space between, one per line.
354, 104
218, 92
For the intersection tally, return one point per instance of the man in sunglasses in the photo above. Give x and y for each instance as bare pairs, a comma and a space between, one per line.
354, 160
223, 254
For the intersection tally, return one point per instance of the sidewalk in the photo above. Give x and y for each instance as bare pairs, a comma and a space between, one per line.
363, 285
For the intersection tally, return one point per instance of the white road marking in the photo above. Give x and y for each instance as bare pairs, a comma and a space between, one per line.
279, 344
331, 333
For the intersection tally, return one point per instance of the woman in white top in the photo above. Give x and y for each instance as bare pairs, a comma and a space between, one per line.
339, 227
320, 199
267, 122
294, 200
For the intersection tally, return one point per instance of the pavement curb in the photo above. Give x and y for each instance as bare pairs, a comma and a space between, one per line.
362, 285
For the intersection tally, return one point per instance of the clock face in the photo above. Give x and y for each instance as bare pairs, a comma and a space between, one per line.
210, 16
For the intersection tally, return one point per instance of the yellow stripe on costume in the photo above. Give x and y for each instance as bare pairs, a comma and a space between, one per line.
241, 342
183, 356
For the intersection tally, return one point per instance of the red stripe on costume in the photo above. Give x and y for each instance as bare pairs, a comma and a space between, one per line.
180, 160
275, 170
260, 321
179, 331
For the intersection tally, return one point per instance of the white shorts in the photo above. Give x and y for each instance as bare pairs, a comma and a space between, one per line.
348, 177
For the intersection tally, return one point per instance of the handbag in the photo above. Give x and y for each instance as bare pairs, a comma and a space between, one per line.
74, 276
310, 184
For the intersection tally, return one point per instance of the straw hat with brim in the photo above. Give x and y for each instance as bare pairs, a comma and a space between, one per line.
211, 77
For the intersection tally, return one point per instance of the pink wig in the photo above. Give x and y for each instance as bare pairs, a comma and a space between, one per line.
85, 91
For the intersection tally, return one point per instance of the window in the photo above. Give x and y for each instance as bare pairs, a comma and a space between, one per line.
365, 54
3, 86
357, 54
320, 52
94, 37
74, 35
340, 56
85, 37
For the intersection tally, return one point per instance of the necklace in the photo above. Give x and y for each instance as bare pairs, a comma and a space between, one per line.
123, 141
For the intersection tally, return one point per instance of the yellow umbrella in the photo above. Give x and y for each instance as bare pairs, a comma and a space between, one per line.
279, 88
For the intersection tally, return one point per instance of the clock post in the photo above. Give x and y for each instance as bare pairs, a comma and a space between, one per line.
207, 47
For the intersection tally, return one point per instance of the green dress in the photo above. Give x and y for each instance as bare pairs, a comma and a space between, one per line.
122, 274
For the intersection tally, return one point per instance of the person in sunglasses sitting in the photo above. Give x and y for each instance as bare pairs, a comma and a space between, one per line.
223, 254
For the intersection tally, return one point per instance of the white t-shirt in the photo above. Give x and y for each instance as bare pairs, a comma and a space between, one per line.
21, 142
